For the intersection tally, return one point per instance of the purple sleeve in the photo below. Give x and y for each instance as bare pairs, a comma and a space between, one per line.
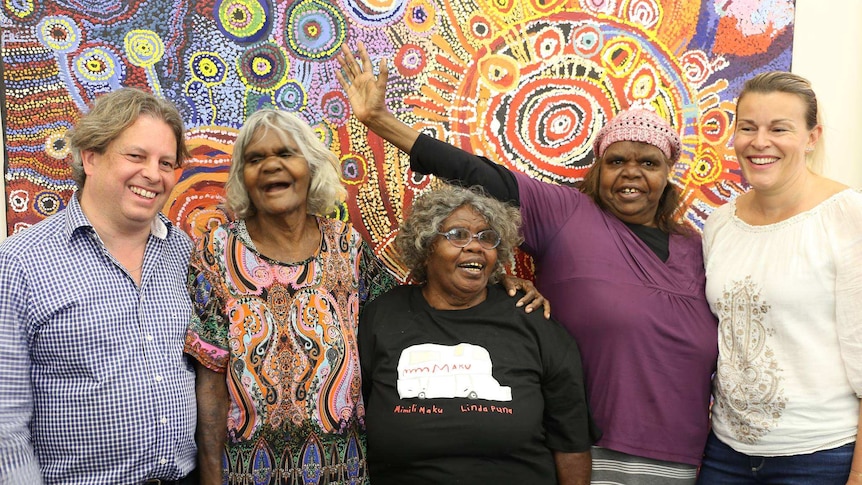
546, 208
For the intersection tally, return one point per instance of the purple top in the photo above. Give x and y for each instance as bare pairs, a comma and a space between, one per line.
647, 337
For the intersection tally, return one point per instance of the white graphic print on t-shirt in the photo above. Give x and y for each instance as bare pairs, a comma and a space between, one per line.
430, 371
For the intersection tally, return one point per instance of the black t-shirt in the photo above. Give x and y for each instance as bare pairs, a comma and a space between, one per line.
481, 395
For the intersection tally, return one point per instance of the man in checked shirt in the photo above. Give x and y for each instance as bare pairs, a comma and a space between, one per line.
94, 386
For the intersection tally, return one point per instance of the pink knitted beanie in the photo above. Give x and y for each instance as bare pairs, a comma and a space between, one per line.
638, 124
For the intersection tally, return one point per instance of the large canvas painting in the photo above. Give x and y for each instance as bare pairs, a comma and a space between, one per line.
527, 83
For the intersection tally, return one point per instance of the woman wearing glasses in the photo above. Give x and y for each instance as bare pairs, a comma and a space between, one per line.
459, 388
624, 274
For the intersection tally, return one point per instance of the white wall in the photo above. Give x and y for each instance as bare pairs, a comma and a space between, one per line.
827, 49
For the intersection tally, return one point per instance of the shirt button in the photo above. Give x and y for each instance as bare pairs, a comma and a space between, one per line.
163, 461
158, 378
149, 338
164, 420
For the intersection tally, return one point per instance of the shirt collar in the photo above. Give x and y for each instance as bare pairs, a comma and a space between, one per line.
76, 219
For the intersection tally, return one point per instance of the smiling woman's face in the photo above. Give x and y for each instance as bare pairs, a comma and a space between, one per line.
771, 138
632, 179
276, 175
459, 276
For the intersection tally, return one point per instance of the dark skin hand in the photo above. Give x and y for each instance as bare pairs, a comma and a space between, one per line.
366, 93
533, 299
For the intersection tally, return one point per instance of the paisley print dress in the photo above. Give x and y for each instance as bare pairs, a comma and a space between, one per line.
285, 336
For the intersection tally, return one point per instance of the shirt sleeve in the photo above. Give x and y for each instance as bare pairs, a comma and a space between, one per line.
207, 335
366, 345
568, 423
546, 209
431, 156
18, 462
847, 247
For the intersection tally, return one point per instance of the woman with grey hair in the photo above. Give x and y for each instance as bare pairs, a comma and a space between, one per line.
457, 385
277, 294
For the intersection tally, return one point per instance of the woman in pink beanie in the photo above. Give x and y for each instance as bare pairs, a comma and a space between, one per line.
626, 279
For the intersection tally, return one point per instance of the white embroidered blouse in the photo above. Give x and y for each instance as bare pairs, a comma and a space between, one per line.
789, 301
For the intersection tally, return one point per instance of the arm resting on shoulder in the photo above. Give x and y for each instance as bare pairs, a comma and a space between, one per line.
573, 468
532, 298
213, 403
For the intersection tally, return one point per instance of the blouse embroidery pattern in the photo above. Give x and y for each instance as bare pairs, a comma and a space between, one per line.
750, 376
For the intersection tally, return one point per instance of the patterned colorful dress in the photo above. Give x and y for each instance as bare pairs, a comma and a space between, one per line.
285, 335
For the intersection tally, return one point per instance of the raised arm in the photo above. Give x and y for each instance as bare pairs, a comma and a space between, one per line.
367, 95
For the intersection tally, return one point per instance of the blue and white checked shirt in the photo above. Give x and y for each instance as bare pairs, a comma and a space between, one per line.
94, 385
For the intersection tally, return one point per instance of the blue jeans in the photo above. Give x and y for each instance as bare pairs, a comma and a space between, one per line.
722, 465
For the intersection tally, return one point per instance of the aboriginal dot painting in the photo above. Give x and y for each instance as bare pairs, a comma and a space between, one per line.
527, 83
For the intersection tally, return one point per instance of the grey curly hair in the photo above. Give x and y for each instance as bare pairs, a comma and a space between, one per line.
109, 117
418, 232
325, 192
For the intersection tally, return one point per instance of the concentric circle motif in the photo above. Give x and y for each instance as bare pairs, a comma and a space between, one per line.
60, 33
546, 6
263, 67
621, 55
587, 40
98, 65
549, 43
353, 169
195, 204
21, 10
324, 133
48, 203
208, 67
144, 48
502, 7
695, 64
336, 108
56, 146
599, 6
539, 110
375, 13
500, 72
410, 60
557, 119
421, 16
19, 200
292, 96
715, 127
706, 168
643, 84
647, 13
244, 21
481, 27
314, 29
